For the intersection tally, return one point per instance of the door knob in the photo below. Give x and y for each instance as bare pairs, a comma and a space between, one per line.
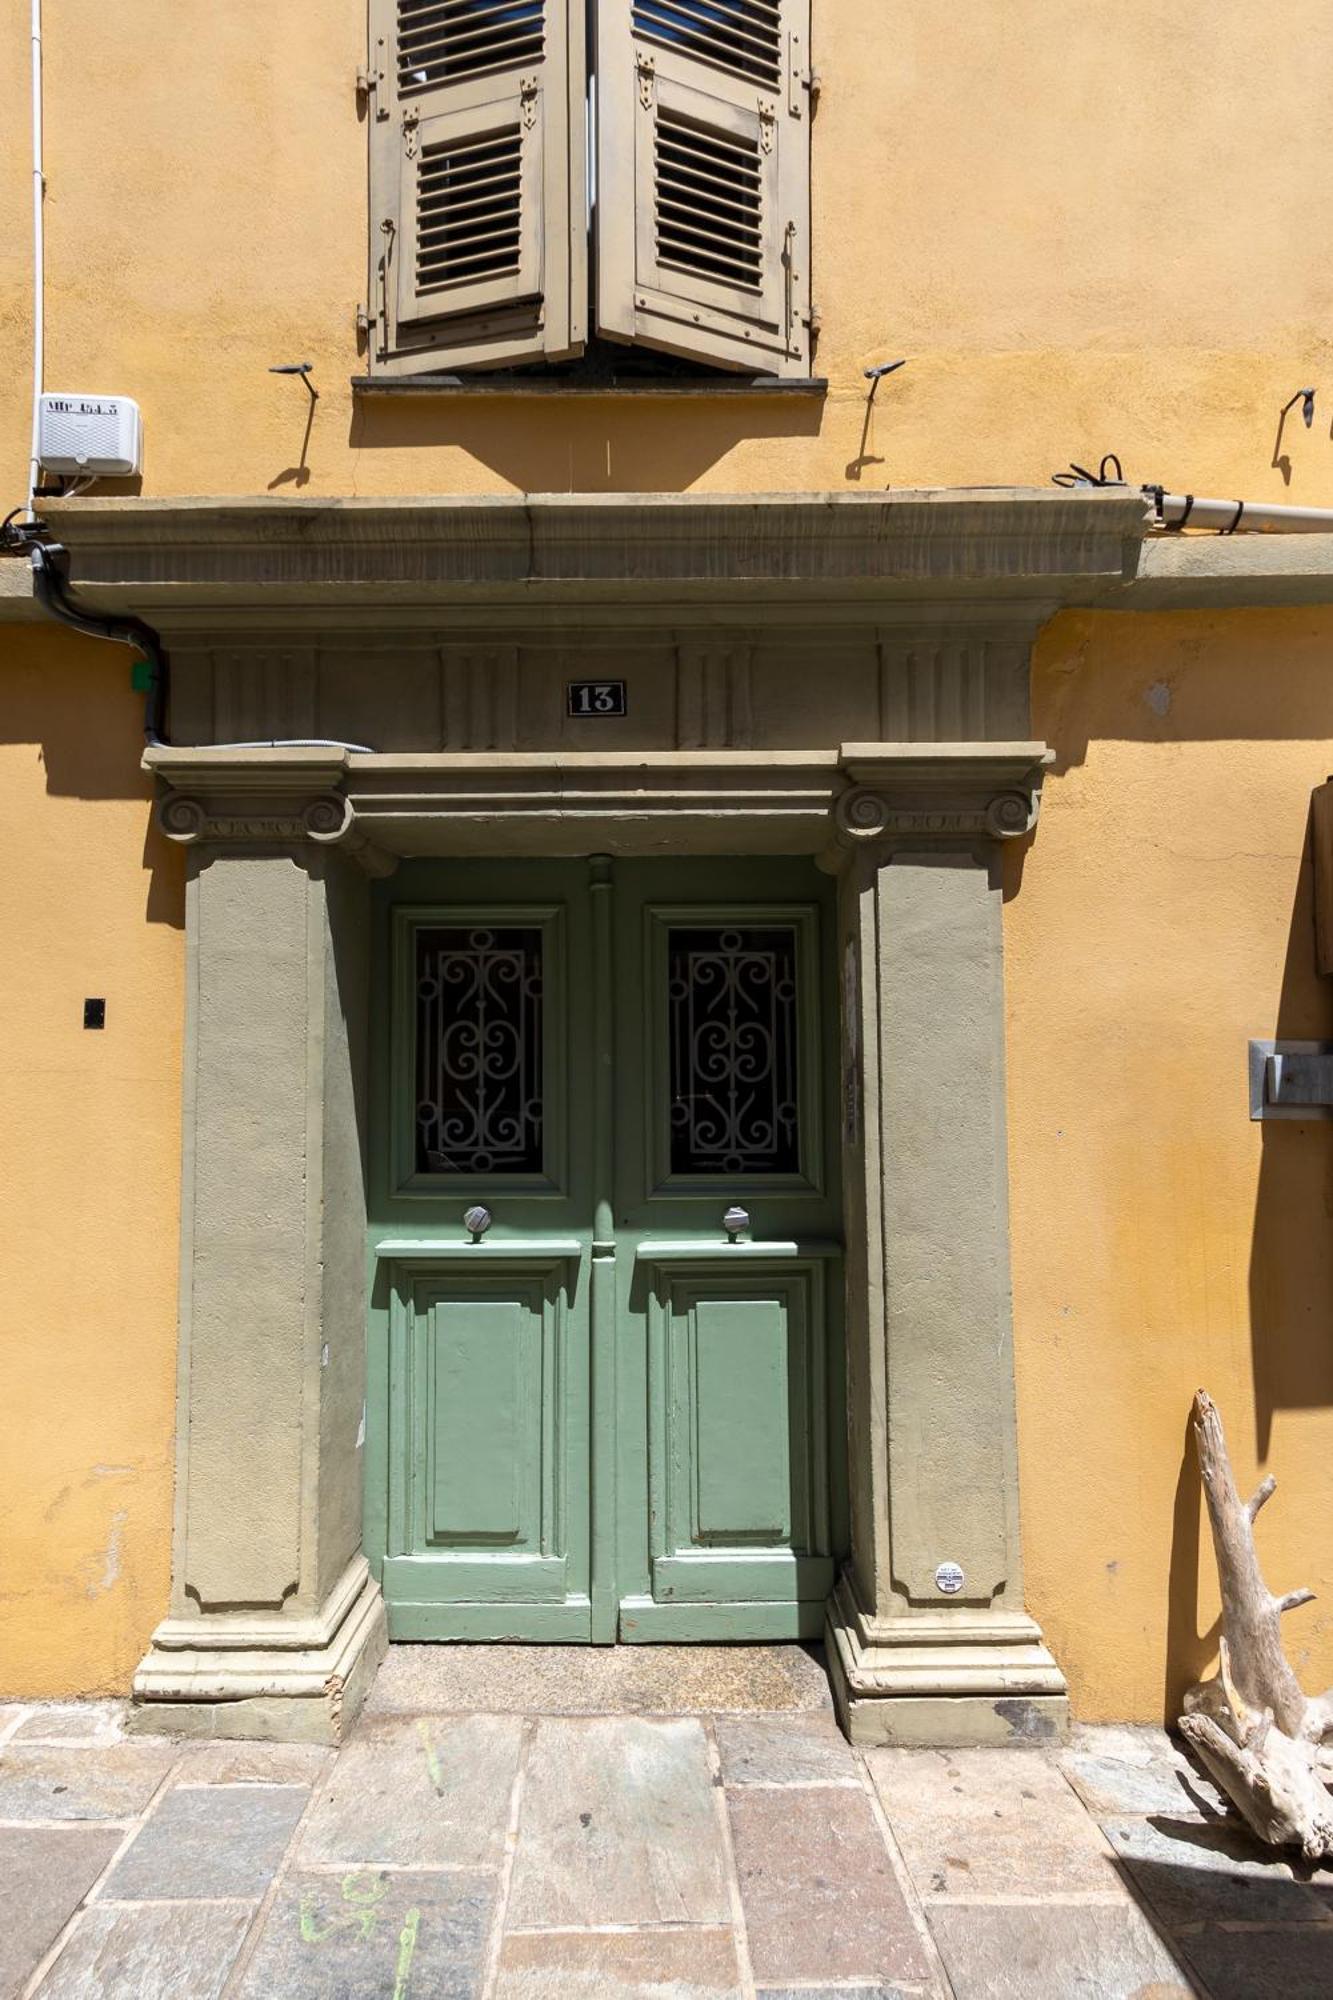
477, 1221
735, 1220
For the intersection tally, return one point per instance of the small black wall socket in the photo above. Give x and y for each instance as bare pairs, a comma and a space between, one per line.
94, 1013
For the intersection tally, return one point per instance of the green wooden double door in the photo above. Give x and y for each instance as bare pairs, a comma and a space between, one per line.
605, 1371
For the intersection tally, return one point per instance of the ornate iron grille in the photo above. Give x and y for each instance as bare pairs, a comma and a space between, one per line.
733, 1029
479, 1051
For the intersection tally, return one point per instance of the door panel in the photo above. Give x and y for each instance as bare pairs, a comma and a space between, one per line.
604, 1404
487, 1422
737, 1425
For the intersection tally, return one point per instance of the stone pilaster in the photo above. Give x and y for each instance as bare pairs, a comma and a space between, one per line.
275, 1626
929, 1640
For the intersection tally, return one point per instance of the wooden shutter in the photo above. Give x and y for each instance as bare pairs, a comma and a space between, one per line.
703, 179
478, 211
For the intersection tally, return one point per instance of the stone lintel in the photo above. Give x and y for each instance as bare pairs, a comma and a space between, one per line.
381, 807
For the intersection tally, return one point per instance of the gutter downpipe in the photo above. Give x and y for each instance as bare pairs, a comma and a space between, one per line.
38, 254
1174, 511
51, 592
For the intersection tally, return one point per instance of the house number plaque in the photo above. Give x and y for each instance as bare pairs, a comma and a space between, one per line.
595, 698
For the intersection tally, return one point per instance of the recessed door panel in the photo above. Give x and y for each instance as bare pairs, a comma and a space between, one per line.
737, 1448
489, 1450
731, 1416
486, 1358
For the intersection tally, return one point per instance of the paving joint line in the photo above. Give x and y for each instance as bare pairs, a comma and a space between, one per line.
490, 1971
250, 1942
671, 1926
740, 1931
915, 1903
364, 1862
793, 1784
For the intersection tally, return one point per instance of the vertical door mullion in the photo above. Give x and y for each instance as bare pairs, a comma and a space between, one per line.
603, 1470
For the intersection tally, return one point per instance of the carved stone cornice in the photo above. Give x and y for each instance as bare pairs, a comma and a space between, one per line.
390, 557
867, 798
912, 795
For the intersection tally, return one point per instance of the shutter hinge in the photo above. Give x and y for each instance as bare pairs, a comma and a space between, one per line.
527, 97
797, 78
789, 282
647, 69
767, 122
369, 82
411, 131
365, 320
388, 230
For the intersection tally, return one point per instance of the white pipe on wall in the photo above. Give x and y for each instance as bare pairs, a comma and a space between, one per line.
1237, 517
38, 252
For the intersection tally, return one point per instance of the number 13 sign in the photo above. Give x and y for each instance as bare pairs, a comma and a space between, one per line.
595, 698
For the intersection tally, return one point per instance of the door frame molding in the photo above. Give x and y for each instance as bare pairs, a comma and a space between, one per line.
269, 608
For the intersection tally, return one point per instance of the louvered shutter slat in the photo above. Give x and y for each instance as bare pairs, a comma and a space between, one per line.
703, 216
478, 237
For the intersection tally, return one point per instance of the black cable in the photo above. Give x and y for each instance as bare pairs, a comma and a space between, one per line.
1078, 475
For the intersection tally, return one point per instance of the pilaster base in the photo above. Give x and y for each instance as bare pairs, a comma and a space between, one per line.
949, 1679
302, 1681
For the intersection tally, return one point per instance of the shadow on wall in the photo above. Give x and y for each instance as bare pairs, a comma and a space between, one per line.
1291, 1257
584, 444
66, 701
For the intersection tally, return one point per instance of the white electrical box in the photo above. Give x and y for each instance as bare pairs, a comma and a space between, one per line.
93, 437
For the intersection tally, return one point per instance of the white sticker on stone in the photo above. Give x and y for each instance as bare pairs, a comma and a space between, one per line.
949, 1579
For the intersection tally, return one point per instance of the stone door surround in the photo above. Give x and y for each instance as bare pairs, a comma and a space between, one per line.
815, 675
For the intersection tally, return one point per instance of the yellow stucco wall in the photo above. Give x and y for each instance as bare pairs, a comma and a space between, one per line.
91, 904
1090, 229
1162, 1242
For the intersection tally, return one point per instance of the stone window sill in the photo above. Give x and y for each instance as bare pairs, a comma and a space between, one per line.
494, 386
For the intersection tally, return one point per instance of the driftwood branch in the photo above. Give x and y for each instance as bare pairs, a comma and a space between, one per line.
1254, 1727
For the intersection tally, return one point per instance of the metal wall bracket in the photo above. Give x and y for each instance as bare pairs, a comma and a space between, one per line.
1291, 1080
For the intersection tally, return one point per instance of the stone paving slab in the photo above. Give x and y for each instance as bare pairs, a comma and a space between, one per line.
1290, 1964
990, 1823
73, 1722
154, 1952
420, 1793
1054, 1952
241, 1763
369, 1934
1198, 1874
820, 1897
45, 1873
208, 1841
1127, 1743
1107, 1784
599, 1680
619, 1826
629, 1965
857, 1991
40, 1781
784, 1750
